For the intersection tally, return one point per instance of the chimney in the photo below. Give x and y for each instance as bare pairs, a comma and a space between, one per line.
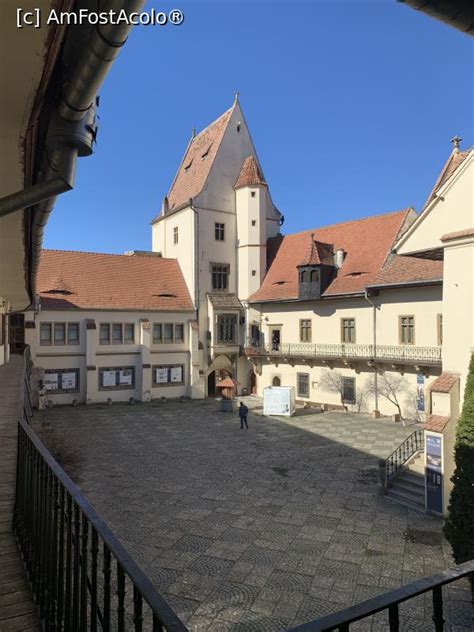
165, 207
339, 257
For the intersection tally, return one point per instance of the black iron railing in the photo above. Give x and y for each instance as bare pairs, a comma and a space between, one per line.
81, 576
389, 603
394, 463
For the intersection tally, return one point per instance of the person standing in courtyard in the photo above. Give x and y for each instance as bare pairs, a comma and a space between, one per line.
243, 412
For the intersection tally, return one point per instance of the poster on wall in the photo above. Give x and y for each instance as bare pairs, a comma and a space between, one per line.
108, 378
68, 380
51, 381
125, 377
433, 452
177, 374
420, 393
161, 376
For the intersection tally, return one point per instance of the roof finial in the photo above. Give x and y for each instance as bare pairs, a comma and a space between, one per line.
193, 132
456, 141
236, 97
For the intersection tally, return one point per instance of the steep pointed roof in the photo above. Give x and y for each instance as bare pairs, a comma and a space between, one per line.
250, 174
317, 253
455, 160
197, 162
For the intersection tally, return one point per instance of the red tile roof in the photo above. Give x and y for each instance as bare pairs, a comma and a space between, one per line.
250, 174
88, 280
403, 269
444, 383
317, 253
455, 160
436, 423
367, 243
196, 164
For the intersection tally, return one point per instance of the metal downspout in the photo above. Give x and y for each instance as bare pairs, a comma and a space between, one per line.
374, 343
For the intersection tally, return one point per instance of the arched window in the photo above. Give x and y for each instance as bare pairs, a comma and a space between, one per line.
314, 276
276, 381
304, 276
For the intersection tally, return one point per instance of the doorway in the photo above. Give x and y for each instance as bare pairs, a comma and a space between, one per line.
17, 333
253, 383
275, 338
214, 378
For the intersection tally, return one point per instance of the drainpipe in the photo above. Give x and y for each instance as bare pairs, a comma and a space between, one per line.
72, 129
374, 344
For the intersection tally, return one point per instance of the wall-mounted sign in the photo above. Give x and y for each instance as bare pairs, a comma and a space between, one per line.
68, 381
51, 381
126, 376
420, 393
161, 376
108, 378
176, 374
433, 453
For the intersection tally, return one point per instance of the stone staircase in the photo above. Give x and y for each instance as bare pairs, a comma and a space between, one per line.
408, 486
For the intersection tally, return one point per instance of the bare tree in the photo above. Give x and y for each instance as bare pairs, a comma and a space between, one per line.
333, 382
391, 387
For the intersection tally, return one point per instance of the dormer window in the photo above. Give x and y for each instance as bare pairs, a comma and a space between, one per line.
316, 269
309, 282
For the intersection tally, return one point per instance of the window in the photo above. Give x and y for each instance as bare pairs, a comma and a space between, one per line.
252, 193
168, 332
104, 335
304, 277
220, 274
302, 384
348, 330
129, 330
348, 390
168, 375
59, 333
219, 231
175, 235
45, 333
73, 333
314, 277
157, 333
276, 381
407, 330
227, 329
61, 380
439, 322
305, 331
179, 333
117, 333
254, 222
116, 378
254, 273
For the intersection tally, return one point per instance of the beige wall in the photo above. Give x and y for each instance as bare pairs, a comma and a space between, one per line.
452, 210
90, 355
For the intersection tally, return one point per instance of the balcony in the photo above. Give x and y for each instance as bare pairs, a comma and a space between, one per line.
387, 354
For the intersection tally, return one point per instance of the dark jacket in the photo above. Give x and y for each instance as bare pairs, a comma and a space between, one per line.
243, 411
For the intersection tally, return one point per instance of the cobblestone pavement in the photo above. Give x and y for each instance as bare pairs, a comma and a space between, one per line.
259, 529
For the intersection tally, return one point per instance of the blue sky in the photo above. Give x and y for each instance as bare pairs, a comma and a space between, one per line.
351, 106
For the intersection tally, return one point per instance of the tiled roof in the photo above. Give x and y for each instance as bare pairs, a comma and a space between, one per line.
196, 164
444, 383
317, 253
225, 301
455, 160
458, 234
403, 269
88, 280
436, 423
250, 174
367, 243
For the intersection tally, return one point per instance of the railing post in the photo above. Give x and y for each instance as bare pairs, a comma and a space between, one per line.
438, 618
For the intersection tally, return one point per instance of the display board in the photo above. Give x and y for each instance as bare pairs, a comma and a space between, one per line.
108, 378
279, 400
68, 381
51, 381
126, 376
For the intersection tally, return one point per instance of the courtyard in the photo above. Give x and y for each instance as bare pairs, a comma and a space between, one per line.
260, 529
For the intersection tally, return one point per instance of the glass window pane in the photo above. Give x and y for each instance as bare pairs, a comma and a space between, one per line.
105, 333
45, 332
157, 333
168, 330
73, 333
179, 333
129, 332
59, 333
117, 332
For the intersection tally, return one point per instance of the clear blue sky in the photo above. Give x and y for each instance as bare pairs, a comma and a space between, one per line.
351, 106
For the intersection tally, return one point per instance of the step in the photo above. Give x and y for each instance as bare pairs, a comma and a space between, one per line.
403, 496
410, 484
406, 503
418, 468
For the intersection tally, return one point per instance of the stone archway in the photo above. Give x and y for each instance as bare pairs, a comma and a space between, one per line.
220, 368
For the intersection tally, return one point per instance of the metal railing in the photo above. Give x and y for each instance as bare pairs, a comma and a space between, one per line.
389, 602
393, 353
394, 463
80, 575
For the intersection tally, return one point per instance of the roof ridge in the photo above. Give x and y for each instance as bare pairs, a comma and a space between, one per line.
109, 254
214, 121
348, 221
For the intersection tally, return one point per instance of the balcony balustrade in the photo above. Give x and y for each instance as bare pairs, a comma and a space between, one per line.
396, 354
